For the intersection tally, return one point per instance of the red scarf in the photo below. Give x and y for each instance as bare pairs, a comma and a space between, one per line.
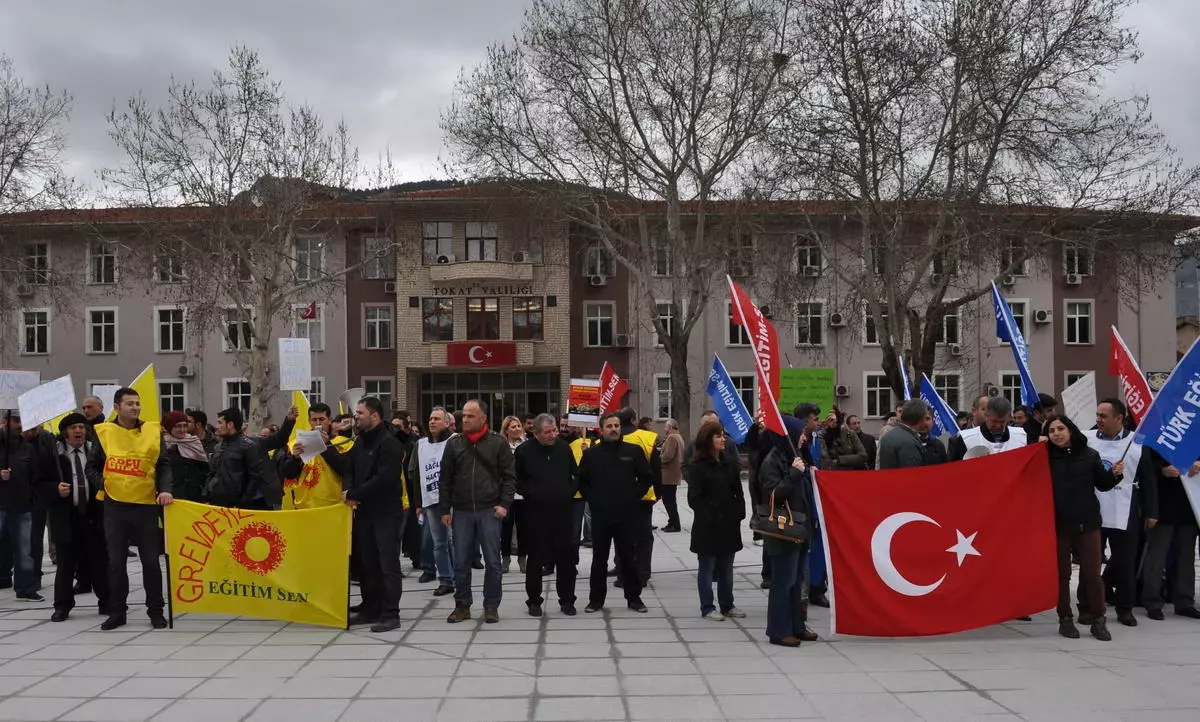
474, 438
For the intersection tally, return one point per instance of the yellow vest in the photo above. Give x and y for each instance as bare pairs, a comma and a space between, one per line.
131, 456
647, 440
318, 484
577, 447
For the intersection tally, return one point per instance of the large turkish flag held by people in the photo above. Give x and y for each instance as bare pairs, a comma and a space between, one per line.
940, 549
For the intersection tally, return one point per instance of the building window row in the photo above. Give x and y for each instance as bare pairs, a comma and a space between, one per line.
483, 318
481, 241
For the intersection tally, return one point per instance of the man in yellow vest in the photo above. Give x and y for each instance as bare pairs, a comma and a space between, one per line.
643, 544
136, 476
315, 484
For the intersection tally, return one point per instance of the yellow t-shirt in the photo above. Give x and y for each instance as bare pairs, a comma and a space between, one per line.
318, 484
577, 447
130, 459
647, 440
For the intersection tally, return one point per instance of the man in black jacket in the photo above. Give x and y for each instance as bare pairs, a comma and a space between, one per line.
614, 475
372, 474
76, 521
21, 476
546, 479
868, 441
235, 470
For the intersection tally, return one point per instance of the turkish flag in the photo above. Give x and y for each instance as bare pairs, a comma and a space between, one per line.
612, 389
940, 549
1134, 386
481, 353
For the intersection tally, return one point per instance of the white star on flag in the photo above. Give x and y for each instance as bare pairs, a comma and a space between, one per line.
964, 547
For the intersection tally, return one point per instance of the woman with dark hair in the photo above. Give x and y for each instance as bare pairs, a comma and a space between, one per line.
719, 506
1076, 473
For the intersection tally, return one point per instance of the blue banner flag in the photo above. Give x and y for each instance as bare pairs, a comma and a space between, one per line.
1006, 330
904, 378
944, 421
727, 402
1170, 425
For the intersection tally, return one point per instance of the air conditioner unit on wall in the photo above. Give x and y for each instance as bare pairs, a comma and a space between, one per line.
390, 288
1008, 281
623, 340
445, 259
811, 271
837, 320
955, 349
1043, 317
185, 371
993, 391
598, 281
24, 289
841, 391
1073, 279
519, 257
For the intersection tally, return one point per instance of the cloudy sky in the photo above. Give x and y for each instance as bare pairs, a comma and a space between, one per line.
388, 67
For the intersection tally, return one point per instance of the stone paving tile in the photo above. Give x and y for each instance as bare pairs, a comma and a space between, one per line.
35, 709
116, 710
206, 710
579, 708
292, 710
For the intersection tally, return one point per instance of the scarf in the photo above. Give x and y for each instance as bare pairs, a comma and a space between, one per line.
474, 438
190, 447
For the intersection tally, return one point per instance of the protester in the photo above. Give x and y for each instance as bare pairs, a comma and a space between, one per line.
1021, 417
20, 482
891, 422
904, 448
476, 488
1036, 416
546, 478
979, 410
963, 419
1076, 473
643, 545
672, 474
201, 430
994, 433
76, 520
425, 466
870, 445
314, 484
1174, 534
784, 477
235, 471
841, 448
513, 431
187, 456
718, 508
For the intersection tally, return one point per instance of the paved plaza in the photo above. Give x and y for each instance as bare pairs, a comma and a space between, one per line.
666, 665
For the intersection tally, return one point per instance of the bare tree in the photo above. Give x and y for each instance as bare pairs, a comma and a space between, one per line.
971, 134
631, 118
264, 177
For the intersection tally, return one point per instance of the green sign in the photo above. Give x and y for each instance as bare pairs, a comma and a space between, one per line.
798, 386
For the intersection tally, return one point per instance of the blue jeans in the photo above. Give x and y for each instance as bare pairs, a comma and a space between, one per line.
16, 528
441, 551
787, 605
722, 567
470, 529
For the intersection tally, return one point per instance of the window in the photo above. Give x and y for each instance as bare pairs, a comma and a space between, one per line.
168, 266
171, 396
877, 400
739, 257
102, 263
1011, 250
528, 318
102, 330
437, 319
1010, 388
945, 263
312, 329
1073, 376
377, 328
947, 332
380, 389
169, 326
533, 248
662, 395
237, 395
666, 316
598, 318
599, 262
239, 329
870, 332
316, 391
1077, 259
744, 384
378, 258
481, 241
483, 319
438, 242
1019, 311
735, 335
310, 258
808, 253
663, 262
35, 332
949, 388
1079, 323
35, 264
810, 324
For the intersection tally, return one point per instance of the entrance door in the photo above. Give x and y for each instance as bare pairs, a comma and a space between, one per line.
507, 393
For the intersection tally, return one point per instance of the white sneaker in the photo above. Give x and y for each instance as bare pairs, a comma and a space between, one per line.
715, 616
735, 613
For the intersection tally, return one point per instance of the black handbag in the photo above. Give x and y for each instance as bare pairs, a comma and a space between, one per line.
781, 522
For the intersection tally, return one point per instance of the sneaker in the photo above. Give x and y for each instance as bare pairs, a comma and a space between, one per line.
1100, 630
505, 564
427, 577
461, 613
567, 609
491, 615
735, 613
443, 590
638, 607
30, 597
1067, 628
535, 609
785, 642
593, 607
112, 622
385, 625
713, 616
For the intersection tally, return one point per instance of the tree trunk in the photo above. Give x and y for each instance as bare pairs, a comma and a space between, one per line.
681, 386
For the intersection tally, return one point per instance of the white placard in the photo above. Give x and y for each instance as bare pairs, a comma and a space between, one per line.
13, 383
311, 442
295, 364
107, 394
1191, 486
51, 399
1079, 401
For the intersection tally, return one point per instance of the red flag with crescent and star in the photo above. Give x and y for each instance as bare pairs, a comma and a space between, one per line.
939, 549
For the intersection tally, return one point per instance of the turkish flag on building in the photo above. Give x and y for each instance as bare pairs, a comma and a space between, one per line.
481, 353
940, 549
612, 389
1134, 386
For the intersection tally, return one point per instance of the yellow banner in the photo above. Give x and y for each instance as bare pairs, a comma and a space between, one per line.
288, 565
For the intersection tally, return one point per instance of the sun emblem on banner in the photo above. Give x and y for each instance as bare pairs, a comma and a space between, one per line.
259, 547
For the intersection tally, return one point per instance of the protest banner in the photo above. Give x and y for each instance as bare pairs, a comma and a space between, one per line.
293, 566
295, 364
1079, 401
583, 403
798, 386
13, 383
48, 401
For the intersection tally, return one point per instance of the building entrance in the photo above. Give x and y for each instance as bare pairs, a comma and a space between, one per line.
507, 393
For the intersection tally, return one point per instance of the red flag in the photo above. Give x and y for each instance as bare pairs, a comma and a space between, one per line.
761, 332
768, 409
1134, 386
612, 389
935, 550
310, 312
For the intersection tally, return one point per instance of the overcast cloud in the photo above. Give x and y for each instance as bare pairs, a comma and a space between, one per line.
388, 68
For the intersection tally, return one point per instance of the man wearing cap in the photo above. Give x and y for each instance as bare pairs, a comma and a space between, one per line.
76, 521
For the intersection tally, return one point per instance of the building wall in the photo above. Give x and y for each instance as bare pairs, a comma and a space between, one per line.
373, 369
587, 361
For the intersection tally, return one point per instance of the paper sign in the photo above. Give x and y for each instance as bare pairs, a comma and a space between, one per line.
107, 394
47, 401
583, 403
295, 364
13, 383
1079, 401
312, 442
798, 386
1191, 486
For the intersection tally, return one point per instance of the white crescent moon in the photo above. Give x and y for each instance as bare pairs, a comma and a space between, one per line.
881, 554
471, 354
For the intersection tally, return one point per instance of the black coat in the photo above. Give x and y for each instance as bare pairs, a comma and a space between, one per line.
613, 477
372, 473
235, 473
718, 505
1173, 507
1076, 473
871, 447
189, 476
546, 474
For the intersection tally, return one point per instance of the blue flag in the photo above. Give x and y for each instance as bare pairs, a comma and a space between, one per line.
727, 402
1006, 330
944, 421
904, 378
1170, 425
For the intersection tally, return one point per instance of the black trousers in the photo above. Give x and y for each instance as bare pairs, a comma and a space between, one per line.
136, 525
609, 531
382, 578
512, 526
79, 538
549, 540
668, 493
643, 541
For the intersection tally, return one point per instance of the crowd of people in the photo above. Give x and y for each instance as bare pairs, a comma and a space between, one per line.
457, 497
